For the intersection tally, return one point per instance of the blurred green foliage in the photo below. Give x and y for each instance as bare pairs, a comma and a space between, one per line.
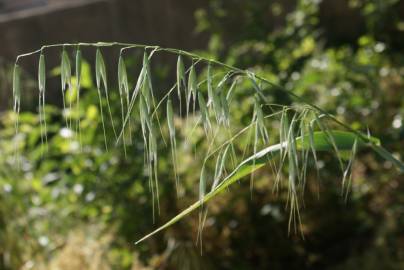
75, 188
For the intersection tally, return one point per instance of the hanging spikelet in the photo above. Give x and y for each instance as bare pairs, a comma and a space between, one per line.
123, 87
204, 113
16, 88
65, 79
78, 86
181, 83
65, 71
192, 87
16, 104
41, 98
101, 76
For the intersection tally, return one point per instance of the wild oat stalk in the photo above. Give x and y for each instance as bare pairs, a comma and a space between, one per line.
302, 130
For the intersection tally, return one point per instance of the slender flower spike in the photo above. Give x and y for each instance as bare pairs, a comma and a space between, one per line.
204, 113
100, 70
41, 74
180, 78
209, 84
122, 77
78, 85
260, 121
123, 87
220, 165
65, 78
16, 85
101, 75
225, 109
193, 84
192, 87
41, 97
171, 129
78, 67
146, 66
202, 184
170, 118
17, 102
66, 71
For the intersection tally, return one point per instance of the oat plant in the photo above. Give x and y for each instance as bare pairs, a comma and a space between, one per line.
203, 93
